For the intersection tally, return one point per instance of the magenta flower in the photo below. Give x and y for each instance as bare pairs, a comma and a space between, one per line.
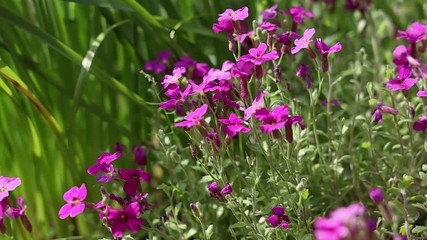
400, 55
416, 32
215, 192
343, 223
421, 124
376, 194
120, 220
256, 105
233, 125
75, 205
304, 41
140, 155
8, 184
174, 78
377, 114
158, 65
20, 212
279, 217
133, 179
304, 72
258, 55
269, 27
269, 13
422, 93
243, 70
231, 15
193, 118
176, 96
103, 164
298, 14
403, 80
325, 50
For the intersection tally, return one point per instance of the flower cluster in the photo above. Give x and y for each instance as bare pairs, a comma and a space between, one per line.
409, 71
131, 206
8, 184
279, 217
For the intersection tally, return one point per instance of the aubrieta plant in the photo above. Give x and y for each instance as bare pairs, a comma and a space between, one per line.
257, 127
259, 147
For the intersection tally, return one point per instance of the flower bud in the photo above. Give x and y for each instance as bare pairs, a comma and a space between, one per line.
376, 194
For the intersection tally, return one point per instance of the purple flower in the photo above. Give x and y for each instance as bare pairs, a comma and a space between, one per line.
140, 155
75, 205
231, 15
174, 78
158, 65
219, 194
286, 38
325, 50
421, 124
304, 41
304, 72
377, 114
269, 27
132, 179
400, 55
279, 217
298, 14
103, 164
233, 125
176, 96
403, 80
415, 33
277, 119
343, 223
269, 13
258, 55
193, 118
19, 212
376, 194
8, 184
120, 220
256, 105
243, 70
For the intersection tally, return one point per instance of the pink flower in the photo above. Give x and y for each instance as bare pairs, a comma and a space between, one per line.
103, 164
256, 105
269, 27
231, 15
298, 14
174, 78
403, 80
219, 194
193, 118
20, 212
158, 65
133, 179
258, 55
269, 13
304, 72
304, 41
120, 220
377, 114
349, 222
325, 49
416, 32
8, 184
233, 125
422, 93
75, 205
